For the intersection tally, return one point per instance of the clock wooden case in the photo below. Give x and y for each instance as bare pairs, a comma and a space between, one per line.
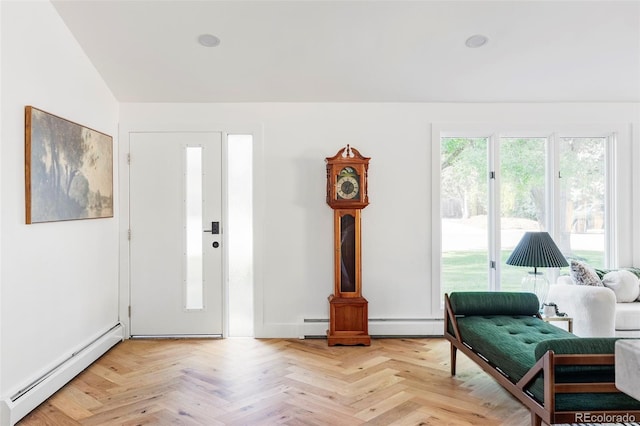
347, 179
347, 195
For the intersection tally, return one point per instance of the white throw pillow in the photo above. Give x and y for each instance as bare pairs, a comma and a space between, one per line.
624, 284
583, 274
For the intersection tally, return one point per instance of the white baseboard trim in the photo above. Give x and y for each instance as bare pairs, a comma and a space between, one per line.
16, 407
384, 327
279, 331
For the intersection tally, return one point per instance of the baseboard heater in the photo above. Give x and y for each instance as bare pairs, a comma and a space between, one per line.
382, 327
35, 393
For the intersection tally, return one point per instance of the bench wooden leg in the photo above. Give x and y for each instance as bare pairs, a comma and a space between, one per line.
535, 419
454, 352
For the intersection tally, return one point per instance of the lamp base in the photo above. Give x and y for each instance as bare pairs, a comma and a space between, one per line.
537, 283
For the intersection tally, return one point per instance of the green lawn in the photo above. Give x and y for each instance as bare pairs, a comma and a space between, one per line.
468, 271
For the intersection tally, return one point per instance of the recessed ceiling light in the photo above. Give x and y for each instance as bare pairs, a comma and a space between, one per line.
208, 40
476, 41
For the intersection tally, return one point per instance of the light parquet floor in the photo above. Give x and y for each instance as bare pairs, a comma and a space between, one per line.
280, 382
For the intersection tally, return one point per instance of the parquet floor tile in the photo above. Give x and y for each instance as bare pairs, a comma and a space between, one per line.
280, 382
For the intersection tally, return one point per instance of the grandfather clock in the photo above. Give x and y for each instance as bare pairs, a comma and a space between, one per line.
347, 195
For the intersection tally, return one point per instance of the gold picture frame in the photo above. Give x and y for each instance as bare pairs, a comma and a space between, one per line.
68, 169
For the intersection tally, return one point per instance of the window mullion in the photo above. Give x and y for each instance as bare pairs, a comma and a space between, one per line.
493, 214
610, 229
551, 173
552, 184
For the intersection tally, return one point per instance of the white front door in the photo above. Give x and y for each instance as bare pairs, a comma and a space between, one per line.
175, 185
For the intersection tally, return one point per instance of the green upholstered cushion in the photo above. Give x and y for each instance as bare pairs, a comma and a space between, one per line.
508, 342
513, 344
586, 374
502, 329
493, 303
581, 373
596, 402
583, 345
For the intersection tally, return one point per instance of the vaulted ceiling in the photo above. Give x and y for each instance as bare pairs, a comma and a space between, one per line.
361, 50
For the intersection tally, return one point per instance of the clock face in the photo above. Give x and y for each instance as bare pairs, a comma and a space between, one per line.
347, 187
347, 181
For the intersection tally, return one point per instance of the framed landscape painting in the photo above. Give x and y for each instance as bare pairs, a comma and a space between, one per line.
68, 169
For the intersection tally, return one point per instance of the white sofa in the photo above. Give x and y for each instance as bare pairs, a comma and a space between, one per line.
594, 310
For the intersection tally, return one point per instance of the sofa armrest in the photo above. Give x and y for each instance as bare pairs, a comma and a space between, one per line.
593, 309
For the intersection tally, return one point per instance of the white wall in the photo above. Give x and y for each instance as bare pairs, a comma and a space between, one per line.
295, 228
58, 282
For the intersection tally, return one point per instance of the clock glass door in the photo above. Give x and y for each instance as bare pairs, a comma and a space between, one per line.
347, 254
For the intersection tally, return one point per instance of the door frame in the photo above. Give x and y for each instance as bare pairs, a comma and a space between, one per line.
258, 207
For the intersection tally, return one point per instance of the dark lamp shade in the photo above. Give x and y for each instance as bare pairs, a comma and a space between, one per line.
537, 249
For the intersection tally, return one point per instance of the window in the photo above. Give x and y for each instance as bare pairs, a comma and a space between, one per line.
464, 204
522, 199
495, 188
240, 229
582, 199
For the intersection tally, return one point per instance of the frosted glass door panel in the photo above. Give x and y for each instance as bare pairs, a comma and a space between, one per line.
240, 229
194, 221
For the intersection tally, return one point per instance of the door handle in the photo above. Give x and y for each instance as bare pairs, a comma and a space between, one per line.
215, 228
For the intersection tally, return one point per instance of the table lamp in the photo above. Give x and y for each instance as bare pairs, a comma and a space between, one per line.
538, 250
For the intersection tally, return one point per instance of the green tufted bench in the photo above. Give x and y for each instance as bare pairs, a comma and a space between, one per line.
561, 378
